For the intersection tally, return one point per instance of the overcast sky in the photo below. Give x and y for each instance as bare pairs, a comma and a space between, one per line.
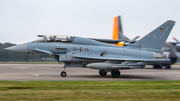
22, 20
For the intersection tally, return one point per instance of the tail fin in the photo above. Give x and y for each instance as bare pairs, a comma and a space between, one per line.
157, 38
117, 30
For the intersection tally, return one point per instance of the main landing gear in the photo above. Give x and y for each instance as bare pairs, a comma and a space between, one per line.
168, 66
115, 73
157, 67
160, 67
63, 73
102, 72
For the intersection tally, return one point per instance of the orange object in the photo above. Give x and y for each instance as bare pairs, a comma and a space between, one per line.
115, 29
120, 44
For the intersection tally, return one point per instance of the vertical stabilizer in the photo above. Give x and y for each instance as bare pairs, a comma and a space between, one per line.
117, 29
157, 38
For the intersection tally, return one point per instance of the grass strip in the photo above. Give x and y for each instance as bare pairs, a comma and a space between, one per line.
90, 90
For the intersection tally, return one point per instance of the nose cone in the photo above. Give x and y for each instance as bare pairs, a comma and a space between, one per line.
22, 48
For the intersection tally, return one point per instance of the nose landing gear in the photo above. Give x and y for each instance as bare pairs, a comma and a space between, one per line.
63, 73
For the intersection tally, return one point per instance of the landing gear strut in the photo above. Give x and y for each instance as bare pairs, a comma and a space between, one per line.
63, 73
115, 73
102, 72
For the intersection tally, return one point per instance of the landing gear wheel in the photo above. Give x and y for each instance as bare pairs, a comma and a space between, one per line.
102, 72
115, 73
168, 66
157, 67
63, 74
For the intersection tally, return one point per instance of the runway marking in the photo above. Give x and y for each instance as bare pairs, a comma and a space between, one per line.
134, 79
20, 67
35, 74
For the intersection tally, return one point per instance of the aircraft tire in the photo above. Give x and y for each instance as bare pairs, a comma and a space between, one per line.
63, 74
102, 72
157, 67
168, 66
115, 73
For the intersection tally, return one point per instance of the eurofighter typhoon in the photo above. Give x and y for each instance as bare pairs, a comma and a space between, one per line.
75, 51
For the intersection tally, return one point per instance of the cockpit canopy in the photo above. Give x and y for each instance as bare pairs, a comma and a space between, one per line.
55, 38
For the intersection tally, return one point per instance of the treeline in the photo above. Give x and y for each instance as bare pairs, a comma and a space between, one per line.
8, 56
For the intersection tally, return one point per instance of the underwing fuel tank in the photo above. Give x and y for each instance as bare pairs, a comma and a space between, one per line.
100, 65
112, 66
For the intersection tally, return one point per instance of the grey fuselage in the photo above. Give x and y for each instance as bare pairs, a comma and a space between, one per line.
87, 47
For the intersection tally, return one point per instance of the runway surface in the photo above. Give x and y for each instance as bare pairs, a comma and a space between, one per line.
51, 72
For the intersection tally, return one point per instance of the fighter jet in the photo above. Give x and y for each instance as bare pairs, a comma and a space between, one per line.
74, 51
